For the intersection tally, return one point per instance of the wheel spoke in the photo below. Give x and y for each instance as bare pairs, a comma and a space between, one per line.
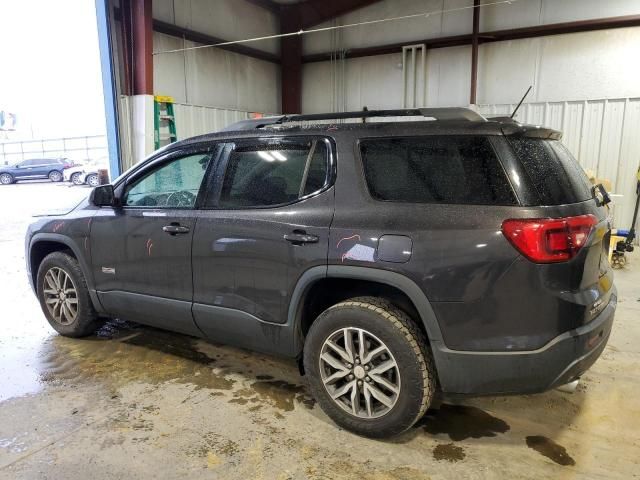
380, 396
355, 399
52, 300
333, 361
367, 400
373, 353
348, 344
340, 351
385, 383
342, 390
361, 344
383, 367
336, 376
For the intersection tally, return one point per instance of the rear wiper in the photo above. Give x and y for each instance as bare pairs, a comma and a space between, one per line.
600, 194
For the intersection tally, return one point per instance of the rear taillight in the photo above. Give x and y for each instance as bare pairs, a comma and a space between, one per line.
548, 240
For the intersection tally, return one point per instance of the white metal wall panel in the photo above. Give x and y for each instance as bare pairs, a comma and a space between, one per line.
602, 134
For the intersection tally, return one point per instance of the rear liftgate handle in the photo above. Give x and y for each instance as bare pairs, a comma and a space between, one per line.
300, 237
174, 228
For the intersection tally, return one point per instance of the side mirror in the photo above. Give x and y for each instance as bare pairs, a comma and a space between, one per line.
103, 196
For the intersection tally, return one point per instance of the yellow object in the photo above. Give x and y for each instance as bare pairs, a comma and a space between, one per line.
612, 244
163, 99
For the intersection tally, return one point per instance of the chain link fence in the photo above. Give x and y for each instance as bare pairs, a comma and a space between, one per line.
93, 147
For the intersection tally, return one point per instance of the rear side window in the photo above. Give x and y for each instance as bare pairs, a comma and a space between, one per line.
273, 174
435, 169
554, 172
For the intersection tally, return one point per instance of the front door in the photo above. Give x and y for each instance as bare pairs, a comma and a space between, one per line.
265, 221
141, 252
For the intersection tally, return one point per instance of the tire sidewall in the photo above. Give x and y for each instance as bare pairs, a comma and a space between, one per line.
85, 322
89, 178
408, 406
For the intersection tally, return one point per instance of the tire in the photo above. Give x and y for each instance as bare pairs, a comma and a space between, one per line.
6, 179
55, 176
85, 322
413, 376
75, 178
92, 180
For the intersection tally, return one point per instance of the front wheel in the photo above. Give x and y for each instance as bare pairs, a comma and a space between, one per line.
64, 296
6, 179
92, 180
55, 176
75, 178
369, 367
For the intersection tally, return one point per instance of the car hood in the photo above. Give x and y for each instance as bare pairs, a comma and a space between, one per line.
60, 211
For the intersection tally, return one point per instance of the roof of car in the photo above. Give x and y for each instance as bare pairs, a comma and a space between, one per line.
443, 121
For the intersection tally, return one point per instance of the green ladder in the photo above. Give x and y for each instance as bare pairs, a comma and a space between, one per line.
164, 122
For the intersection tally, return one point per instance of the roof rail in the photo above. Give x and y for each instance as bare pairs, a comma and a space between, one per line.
450, 113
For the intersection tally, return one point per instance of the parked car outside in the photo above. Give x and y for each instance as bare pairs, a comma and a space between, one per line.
84, 172
452, 257
51, 168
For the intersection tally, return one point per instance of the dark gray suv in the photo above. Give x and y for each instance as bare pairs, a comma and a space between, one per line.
394, 260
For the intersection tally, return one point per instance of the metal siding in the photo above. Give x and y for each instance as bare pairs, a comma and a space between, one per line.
602, 135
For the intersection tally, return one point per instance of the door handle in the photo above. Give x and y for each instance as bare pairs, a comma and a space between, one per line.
175, 228
300, 237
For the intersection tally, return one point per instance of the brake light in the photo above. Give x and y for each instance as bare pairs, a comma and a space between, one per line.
549, 240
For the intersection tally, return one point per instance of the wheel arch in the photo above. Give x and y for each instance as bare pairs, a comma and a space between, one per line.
42, 244
398, 288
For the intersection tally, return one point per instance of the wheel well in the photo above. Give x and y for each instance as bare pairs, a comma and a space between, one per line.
41, 249
329, 291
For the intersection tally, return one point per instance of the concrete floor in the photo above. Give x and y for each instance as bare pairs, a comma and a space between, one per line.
134, 402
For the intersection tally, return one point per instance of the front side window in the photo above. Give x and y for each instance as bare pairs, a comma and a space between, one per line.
273, 174
435, 169
172, 185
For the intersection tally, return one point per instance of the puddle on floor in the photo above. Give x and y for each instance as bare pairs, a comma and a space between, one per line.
550, 449
460, 422
449, 452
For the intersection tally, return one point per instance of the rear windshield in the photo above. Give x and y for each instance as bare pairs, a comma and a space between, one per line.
555, 174
435, 169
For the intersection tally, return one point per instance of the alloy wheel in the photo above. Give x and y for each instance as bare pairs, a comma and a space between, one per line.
359, 372
55, 176
5, 179
93, 180
60, 296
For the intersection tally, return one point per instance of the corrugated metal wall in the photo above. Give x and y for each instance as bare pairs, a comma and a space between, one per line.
194, 120
604, 135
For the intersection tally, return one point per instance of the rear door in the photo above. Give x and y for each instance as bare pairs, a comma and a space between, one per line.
264, 223
141, 253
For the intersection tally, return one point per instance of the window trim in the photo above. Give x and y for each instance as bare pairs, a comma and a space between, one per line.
217, 174
158, 162
395, 137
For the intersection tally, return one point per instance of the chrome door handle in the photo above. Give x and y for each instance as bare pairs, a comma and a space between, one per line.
175, 229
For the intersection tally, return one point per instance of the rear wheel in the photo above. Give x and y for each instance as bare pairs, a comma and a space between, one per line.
75, 178
64, 296
55, 176
369, 367
6, 179
92, 180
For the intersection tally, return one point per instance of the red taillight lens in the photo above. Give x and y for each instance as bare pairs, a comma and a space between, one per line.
548, 240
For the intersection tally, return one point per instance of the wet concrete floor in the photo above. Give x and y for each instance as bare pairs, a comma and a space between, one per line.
136, 402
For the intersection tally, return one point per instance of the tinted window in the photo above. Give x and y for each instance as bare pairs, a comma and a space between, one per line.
267, 175
172, 185
554, 172
435, 169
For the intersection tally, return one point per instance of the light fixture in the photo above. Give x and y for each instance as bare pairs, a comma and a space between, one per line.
267, 156
279, 156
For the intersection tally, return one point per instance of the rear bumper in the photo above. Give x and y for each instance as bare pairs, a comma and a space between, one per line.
560, 361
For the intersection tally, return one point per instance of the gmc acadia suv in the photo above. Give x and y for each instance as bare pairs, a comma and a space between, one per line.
395, 260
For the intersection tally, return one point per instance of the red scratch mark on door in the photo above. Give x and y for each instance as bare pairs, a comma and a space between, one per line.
149, 247
352, 237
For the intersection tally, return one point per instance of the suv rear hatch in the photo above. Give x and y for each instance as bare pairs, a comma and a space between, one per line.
571, 248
